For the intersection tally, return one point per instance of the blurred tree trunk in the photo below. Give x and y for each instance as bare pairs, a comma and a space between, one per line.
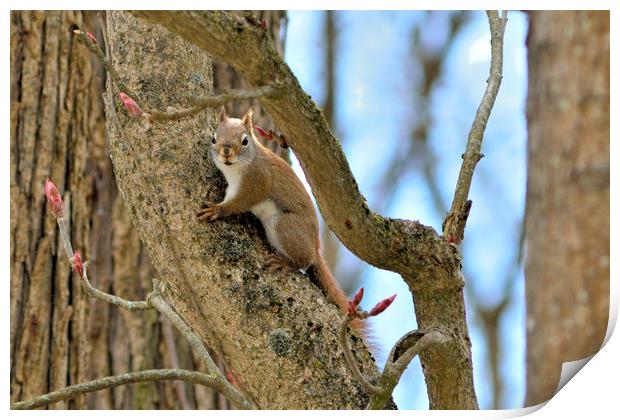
56, 117
58, 335
567, 215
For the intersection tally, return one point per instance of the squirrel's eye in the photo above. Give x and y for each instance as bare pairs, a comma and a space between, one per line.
213, 139
245, 140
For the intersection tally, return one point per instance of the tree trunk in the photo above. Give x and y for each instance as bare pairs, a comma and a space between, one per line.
276, 332
567, 215
59, 336
55, 117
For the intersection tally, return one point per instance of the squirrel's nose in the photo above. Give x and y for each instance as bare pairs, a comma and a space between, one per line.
226, 151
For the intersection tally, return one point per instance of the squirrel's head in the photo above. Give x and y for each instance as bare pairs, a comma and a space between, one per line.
233, 141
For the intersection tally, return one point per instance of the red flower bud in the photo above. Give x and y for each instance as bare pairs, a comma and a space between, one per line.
130, 105
54, 198
263, 133
91, 37
78, 266
382, 306
351, 309
232, 378
358, 297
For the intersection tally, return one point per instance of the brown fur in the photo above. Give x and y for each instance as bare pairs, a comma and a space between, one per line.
265, 176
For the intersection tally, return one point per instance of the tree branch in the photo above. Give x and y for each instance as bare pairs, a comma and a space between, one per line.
128, 305
123, 379
214, 101
454, 224
200, 102
344, 345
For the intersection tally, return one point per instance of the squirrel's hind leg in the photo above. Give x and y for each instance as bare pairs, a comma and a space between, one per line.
278, 262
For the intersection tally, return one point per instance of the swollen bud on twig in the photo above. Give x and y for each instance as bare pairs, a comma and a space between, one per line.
358, 297
130, 105
231, 378
263, 133
381, 306
353, 303
91, 37
78, 266
54, 198
351, 309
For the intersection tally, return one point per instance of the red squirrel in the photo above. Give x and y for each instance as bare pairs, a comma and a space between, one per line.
261, 182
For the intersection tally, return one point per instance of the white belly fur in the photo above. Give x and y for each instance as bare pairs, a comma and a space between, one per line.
233, 176
268, 214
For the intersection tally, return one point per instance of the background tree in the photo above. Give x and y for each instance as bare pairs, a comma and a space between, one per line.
56, 120
567, 218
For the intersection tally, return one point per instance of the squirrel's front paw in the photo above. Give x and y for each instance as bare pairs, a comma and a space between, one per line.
209, 211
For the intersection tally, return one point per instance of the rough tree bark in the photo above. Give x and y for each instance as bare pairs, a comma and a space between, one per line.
429, 265
567, 215
58, 336
276, 332
55, 117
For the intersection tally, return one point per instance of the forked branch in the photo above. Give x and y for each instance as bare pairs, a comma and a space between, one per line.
405, 349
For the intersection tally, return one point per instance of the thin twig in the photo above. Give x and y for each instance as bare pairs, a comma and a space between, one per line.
130, 305
112, 381
64, 237
214, 101
454, 223
154, 300
344, 344
428, 339
394, 369
94, 48
200, 102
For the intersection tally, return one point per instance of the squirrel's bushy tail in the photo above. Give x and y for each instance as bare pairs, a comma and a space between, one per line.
320, 272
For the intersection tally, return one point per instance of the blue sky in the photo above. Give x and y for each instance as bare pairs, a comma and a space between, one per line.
374, 97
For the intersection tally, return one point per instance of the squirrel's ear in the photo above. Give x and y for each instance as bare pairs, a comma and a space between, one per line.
223, 116
247, 119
